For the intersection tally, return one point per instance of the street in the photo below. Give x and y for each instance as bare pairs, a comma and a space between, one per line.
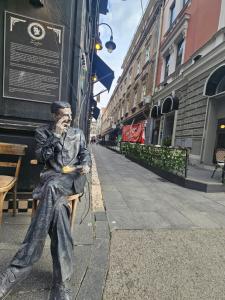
167, 242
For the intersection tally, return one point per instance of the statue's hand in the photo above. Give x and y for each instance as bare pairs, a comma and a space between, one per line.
85, 170
61, 126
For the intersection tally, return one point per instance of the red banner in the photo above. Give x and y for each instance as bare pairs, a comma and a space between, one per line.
133, 133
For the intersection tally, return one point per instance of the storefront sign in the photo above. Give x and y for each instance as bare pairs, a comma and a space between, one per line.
33, 51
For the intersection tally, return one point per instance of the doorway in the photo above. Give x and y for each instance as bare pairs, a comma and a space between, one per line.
168, 129
155, 132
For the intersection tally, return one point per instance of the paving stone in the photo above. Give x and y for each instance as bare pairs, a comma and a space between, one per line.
102, 230
31, 295
100, 216
92, 287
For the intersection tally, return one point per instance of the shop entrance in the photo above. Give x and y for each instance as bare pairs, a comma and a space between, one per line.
215, 133
220, 140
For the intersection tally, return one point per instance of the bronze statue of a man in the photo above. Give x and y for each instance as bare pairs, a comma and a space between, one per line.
61, 148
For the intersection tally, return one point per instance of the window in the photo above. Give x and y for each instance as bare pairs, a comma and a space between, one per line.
122, 110
130, 77
221, 86
180, 51
167, 65
135, 100
143, 93
138, 67
172, 13
147, 54
127, 107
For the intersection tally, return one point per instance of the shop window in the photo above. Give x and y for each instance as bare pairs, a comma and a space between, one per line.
180, 51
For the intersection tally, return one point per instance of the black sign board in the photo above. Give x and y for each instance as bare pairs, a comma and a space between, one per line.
33, 53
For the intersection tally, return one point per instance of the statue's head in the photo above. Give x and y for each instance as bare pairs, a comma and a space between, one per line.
61, 109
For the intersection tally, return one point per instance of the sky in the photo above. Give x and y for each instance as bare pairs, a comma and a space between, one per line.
124, 17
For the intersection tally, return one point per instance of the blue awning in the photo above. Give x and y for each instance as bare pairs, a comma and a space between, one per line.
103, 7
104, 74
95, 110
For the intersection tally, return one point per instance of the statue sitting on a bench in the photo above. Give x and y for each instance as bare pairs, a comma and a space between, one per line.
60, 147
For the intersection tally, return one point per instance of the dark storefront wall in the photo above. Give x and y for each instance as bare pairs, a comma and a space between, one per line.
27, 110
19, 118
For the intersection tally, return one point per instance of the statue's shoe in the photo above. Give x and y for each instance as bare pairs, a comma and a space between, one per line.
61, 291
10, 278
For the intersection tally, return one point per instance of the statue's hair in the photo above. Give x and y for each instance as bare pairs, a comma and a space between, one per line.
59, 104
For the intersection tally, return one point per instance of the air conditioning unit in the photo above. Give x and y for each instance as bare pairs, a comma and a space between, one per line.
147, 99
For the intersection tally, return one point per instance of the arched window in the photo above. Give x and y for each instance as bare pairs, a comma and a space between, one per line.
215, 84
221, 86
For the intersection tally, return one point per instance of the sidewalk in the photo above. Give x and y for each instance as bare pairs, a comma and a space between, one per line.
168, 242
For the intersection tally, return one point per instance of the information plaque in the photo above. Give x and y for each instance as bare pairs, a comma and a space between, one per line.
33, 51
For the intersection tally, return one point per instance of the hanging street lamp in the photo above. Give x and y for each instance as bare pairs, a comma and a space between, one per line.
110, 45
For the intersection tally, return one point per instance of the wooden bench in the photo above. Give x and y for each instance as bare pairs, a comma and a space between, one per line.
73, 200
8, 182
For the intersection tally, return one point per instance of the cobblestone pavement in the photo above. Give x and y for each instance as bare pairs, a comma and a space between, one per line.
167, 242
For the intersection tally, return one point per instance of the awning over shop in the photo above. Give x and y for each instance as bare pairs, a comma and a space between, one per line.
103, 7
169, 104
95, 110
215, 84
104, 74
155, 112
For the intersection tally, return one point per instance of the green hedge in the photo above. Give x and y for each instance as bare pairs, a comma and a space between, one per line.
169, 159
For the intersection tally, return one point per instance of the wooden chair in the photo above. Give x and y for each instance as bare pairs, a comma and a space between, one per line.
73, 200
8, 182
220, 159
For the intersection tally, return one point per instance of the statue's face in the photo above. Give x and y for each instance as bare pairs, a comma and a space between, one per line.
64, 113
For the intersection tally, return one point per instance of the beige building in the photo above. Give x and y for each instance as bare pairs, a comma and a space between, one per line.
130, 101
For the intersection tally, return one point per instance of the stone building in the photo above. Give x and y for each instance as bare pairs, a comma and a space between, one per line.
188, 107
129, 103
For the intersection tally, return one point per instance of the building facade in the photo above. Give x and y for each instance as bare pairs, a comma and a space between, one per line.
129, 103
188, 107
